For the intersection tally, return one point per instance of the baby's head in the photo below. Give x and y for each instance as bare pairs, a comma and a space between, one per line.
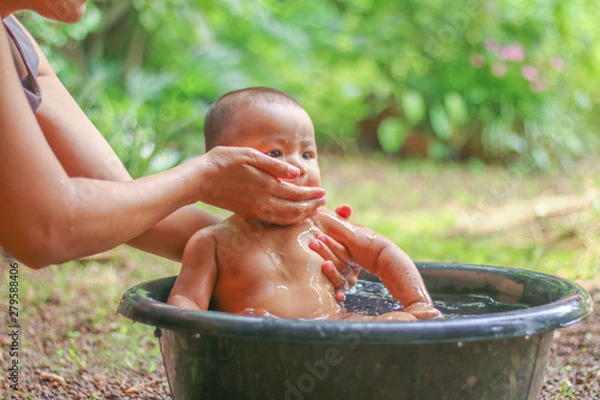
269, 121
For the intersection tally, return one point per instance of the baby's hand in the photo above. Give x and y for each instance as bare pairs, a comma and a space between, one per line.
424, 311
396, 316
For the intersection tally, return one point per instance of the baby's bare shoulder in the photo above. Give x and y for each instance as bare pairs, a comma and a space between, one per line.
208, 234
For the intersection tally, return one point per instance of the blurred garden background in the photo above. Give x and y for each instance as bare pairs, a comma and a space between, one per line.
465, 131
504, 81
503, 93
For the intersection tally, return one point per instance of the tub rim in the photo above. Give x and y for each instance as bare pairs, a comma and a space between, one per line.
138, 304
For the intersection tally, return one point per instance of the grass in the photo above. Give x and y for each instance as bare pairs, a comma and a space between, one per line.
419, 205
69, 314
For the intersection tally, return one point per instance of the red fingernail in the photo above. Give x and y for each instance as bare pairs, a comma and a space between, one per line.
328, 265
315, 245
293, 172
344, 211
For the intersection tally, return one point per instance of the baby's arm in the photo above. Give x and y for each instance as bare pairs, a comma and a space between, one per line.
196, 281
380, 256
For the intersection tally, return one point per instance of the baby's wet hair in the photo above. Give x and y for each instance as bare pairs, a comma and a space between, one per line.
220, 114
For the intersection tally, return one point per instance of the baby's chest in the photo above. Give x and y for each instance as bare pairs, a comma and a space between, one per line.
280, 251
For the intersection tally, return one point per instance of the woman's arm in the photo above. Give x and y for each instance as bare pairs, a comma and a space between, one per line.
80, 200
83, 152
48, 216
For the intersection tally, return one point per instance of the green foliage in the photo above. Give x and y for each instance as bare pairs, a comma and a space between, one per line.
511, 76
391, 133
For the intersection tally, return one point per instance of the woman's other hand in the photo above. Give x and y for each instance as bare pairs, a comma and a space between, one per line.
339, 266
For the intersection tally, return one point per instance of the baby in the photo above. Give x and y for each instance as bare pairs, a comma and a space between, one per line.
255, 268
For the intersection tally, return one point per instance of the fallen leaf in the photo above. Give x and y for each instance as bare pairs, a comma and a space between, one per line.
132, 390
49, 376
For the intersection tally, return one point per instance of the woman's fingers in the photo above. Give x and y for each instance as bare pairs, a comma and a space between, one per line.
270, 165
340, 273
282, 171
284, 212
340, 284
341, 269
343, 260
252, 185
288, 203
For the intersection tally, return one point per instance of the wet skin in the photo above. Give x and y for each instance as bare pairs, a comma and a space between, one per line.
251, 267
276, 273
269, 270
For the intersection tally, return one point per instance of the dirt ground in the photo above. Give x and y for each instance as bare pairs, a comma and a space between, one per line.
574, 368
573, 371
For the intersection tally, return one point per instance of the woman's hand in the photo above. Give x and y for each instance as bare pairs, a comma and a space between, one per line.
382, 257
339, 266
252, 185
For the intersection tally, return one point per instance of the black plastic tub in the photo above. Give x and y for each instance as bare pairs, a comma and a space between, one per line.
496, 348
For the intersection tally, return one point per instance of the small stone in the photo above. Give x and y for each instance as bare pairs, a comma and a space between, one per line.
471, 381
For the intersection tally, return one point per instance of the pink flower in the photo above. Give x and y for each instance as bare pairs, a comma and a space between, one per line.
530, 73
477, 60
557, 63
499, 69
514, 52
491, 44
537, 86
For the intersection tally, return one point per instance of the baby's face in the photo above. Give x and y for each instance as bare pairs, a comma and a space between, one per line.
283, 131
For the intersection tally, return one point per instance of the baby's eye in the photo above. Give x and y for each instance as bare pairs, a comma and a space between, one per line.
307, 155
274, 153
